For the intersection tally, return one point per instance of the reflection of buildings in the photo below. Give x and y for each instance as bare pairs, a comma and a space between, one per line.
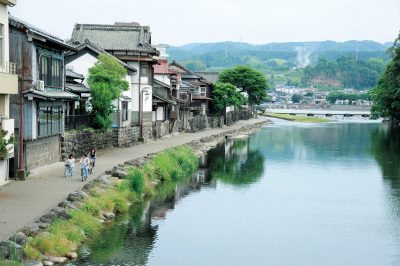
160, 206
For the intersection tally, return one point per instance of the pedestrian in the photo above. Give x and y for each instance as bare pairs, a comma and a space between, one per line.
70, 166
92, 157
84, 162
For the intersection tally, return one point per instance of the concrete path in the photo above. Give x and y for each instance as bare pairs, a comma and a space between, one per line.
25, 201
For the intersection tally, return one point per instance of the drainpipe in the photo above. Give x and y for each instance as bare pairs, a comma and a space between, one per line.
21, 156
140, 101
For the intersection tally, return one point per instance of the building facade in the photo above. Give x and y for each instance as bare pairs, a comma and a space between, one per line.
8, 86
41, 103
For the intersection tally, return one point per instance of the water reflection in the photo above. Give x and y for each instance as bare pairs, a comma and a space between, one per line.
130, 239
385, 146
235, 163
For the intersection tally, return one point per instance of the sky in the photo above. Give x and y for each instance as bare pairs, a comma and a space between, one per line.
178, 22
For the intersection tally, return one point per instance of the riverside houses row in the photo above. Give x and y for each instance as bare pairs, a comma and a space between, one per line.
47, 95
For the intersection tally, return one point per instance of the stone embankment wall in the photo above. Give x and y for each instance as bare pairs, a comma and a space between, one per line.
42, 152
78, 143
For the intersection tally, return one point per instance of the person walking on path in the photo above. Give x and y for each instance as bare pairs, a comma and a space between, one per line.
84, 162
92, 157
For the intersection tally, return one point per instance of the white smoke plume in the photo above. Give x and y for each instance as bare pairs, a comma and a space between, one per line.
303, 57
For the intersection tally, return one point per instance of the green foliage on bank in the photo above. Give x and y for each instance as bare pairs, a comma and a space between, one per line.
65, 236
338, 95
107, 82
226, 94
386, 95
170, 165
247, 80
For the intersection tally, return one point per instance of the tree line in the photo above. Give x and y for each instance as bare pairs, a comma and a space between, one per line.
347, 71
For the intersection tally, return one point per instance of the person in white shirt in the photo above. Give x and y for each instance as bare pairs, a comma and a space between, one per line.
69, 165
84, 162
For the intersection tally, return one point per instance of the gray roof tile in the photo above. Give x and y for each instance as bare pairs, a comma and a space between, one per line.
115, 37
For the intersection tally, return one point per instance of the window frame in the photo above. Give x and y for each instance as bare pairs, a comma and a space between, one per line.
52, 121
124, 111
203, 94
51, 70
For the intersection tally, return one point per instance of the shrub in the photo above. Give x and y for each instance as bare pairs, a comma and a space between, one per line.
31, 252
136, 180
52, 244
90, 225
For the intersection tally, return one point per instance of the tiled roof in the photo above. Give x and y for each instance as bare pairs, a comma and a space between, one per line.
76, 88
211, 77
118, 37
162, 67
98, 50
72, 74
16, 22
51, 94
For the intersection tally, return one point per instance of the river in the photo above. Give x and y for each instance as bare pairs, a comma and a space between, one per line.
292, 194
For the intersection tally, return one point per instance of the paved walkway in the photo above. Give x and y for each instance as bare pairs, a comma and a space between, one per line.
25, 201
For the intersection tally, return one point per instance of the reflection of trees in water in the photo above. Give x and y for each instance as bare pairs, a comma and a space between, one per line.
385, 146
130, 239
235, 163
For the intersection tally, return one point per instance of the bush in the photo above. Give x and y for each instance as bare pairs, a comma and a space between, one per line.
136, 180
90, 225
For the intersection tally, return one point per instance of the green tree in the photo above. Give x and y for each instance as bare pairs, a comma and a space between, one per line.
225, 94
386, 95
296, 98
107, 82
4, 142
247, 80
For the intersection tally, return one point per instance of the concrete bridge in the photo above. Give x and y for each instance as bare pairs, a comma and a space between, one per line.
319, 112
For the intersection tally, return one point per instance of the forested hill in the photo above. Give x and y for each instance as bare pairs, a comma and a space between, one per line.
278, 60
362, 46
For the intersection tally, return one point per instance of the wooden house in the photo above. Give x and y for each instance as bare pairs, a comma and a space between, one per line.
131, 43
82, 59
41, 103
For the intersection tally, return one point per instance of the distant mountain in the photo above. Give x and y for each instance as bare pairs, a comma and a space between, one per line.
362, 46
287, 62
227, 54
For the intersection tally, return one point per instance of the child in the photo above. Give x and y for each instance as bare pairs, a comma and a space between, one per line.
85, 161
69, 165
92, 157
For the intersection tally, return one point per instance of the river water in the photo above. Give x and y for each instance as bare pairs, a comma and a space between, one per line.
292, 194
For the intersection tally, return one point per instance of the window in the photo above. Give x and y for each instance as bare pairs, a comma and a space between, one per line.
144, 70
50, 71
50, 119
124, 112
1, 42
203, 91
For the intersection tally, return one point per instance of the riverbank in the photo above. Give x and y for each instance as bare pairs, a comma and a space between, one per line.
297, 118
201, 142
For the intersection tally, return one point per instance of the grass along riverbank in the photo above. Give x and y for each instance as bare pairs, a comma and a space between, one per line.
102, 201
297, 118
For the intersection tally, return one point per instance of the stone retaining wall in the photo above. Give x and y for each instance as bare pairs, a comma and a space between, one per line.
78, 143
198, 123
42, 152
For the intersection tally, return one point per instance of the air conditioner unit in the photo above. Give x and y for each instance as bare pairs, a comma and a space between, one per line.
40, 85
